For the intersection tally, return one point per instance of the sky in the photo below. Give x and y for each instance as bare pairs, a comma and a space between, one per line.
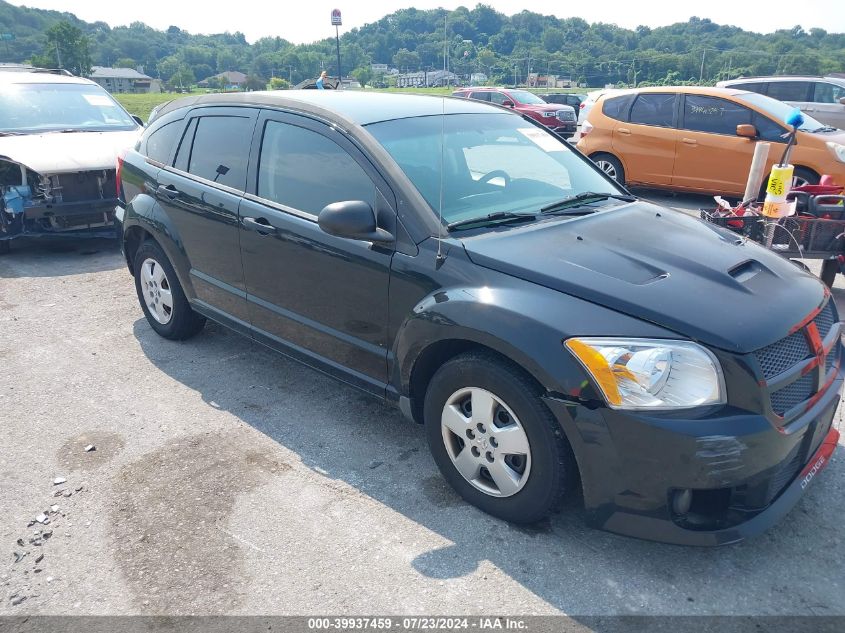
304, 22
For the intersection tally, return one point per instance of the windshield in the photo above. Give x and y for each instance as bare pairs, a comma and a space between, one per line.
523, 96
491, 163
778, 110
49, 107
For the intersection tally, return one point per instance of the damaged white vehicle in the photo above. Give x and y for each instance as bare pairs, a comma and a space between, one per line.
60, 137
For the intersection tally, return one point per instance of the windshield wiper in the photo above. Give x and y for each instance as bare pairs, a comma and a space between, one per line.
2, 133
498, 217
583, 198
824, 128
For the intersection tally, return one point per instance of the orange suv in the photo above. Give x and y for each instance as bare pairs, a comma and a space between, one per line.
702, 139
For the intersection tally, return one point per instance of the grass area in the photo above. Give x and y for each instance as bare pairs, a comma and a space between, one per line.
142, 104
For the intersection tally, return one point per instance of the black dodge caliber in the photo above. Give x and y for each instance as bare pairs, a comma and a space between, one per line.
549, 330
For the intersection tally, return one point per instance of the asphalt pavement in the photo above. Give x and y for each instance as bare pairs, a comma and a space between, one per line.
227, 479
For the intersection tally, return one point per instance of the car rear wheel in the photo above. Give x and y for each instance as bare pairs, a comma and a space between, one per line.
161, 296
611, 166
495, 441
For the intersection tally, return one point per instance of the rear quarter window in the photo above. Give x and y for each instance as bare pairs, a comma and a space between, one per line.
161, 142
617, 107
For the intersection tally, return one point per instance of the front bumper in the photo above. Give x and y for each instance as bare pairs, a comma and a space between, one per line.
85, 218
745, 474
563, 129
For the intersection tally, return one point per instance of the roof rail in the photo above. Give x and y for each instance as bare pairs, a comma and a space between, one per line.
34, 69
776, 77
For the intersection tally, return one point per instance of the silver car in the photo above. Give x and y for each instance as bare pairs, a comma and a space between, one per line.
823, 98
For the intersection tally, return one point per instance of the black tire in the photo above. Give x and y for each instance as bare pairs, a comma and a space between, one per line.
612, 167
183, 322
830, 267
552, 473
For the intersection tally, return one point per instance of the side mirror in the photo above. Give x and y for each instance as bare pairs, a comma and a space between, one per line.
138, 120
352, 219
747, 130
508, 103
842, 100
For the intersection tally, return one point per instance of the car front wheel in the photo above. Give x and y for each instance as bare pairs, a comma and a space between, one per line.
495, 441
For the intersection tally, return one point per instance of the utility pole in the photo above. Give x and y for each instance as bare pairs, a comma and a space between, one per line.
58, 54
701, 74
445, 44
290, 74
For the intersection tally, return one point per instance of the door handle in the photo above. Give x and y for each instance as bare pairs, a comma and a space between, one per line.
259, 225
689, 141
168, 191
623, 130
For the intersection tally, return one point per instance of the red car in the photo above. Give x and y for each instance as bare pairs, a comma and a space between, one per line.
560, 119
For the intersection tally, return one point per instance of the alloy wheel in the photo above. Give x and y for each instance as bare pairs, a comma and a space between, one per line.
607, 167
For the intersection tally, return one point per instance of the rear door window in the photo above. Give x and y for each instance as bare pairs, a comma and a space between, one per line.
220, 151
654, 109
481, 96
304, 170
713, 115
752, 87
498, 97
790, 90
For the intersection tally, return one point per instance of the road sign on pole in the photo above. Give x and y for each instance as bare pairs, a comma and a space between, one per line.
337, 22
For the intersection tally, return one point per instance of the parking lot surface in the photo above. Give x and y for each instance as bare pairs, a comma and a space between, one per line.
228, 479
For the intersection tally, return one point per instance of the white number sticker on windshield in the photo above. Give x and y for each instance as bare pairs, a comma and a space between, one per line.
99, 100
542, 139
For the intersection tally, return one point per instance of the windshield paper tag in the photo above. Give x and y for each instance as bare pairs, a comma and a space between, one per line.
541, 139
98, 100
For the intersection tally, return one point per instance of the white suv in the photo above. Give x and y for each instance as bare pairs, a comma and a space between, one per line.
823, 98
60, 137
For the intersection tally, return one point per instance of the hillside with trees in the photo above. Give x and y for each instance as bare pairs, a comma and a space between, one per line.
504, 47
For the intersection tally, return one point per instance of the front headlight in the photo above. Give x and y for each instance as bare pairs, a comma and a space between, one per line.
651, 373
838, 150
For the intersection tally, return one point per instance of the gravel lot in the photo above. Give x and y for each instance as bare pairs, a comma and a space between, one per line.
227, 479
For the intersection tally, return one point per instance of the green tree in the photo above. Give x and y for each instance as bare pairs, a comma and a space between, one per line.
254, 82
125, 62
67, 47
277, 83
406, 60
363, 74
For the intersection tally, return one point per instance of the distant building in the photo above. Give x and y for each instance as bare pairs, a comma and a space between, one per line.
536, 80
233, 80
379, 69
121, 79
426, 78
478, 79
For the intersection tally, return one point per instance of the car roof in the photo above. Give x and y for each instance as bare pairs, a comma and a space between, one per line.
357, 107
779, 78
691, 90
25, 77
